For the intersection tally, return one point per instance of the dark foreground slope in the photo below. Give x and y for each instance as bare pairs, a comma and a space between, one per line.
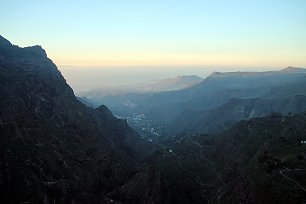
261, 160
53, 149
264, 160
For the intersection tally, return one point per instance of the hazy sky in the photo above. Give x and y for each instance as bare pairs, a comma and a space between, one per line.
86, 78
160, 32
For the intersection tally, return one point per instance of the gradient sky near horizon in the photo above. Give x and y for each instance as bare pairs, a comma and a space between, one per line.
160, 32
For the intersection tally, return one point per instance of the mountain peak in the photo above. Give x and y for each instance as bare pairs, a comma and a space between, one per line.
37, 49
188, 77
4, 42
293, 69
7, 45
232, 74
215, 73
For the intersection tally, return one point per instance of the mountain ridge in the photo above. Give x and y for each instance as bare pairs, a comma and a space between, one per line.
215, 91
246, 73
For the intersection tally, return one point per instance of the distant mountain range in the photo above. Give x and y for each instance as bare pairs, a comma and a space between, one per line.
229, 98
171, 84
126, 97
178, 83
217, 102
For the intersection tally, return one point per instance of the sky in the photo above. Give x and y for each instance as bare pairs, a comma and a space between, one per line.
160, 32
143, 35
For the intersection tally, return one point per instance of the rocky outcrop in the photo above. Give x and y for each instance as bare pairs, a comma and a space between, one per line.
4, 42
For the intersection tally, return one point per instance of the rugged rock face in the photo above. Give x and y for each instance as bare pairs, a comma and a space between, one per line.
53, 148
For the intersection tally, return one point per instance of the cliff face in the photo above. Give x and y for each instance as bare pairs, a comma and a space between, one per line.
52, 147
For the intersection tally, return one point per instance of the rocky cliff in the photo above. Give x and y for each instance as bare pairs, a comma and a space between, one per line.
53, 149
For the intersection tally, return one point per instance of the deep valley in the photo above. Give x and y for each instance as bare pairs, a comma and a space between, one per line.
236, 137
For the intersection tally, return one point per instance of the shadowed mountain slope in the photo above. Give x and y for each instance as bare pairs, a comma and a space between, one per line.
261, 160
53, 148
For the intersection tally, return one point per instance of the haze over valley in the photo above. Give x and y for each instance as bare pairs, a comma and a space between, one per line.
160, 102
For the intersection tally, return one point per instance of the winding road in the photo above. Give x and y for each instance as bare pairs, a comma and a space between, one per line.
292, 180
